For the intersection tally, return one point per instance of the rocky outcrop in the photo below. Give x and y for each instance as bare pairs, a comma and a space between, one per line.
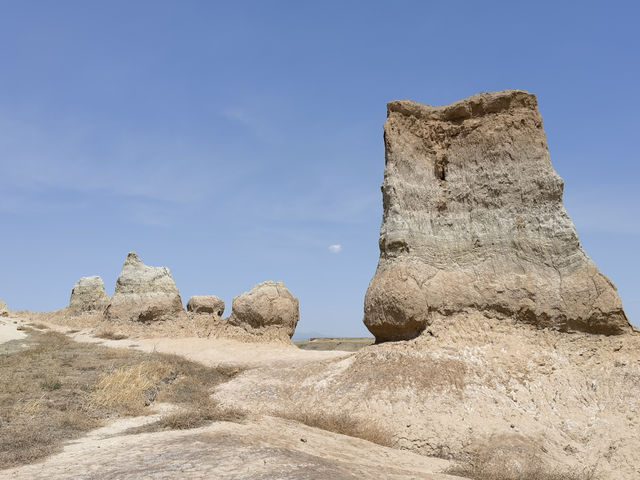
473, 221
144, 294
4, 310
206, 304
268, 305
88, 296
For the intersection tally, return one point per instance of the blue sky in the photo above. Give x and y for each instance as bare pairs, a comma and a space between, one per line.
235, 142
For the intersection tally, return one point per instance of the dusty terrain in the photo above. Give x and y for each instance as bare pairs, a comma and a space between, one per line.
342, 344
267, 448
261, 446
566, 400
513, 394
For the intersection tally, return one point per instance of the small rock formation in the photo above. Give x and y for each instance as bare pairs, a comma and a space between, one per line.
4, 310
207, 304
88, 296
144, 294
473, 221
267, 305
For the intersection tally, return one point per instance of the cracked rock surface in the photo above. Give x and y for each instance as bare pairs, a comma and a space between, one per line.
206, 304
268, 305
473, 220
144, 294
88, 296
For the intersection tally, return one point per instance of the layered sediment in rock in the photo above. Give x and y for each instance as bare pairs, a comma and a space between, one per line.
206, 304
473, 221
88, 296
4, 310
144, 294
267, 306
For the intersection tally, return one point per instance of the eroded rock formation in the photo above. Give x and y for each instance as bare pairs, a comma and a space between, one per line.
88, 296
207, 304
267, 305
473, 221
144, 294
4, 310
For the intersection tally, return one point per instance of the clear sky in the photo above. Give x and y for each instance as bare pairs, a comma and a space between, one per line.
237, 142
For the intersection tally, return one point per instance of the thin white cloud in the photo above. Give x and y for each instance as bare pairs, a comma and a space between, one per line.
337, 248
264, 130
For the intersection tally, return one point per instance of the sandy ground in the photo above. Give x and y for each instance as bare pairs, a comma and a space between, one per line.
8, 330
265, 448
208, 351
568, 402
262, 447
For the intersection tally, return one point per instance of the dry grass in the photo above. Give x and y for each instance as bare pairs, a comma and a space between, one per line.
127, 390
342, 344
194, 416
39, 326
109, 334
397, 370
343, 424
485, 467
57, 389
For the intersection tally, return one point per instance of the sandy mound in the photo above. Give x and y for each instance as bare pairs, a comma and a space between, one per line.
471, 382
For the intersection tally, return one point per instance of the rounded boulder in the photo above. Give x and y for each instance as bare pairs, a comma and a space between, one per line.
268, 304
207, 304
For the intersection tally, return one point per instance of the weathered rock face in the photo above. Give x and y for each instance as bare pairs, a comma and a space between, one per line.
208, 304
144, 294
268, 304
88, 296
4, 310
473, 221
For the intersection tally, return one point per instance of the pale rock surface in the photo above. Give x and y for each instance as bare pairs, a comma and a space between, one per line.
268, 305
258, 449
88, 296
207, 304
144, 294
534, 397
4, 310
473, 221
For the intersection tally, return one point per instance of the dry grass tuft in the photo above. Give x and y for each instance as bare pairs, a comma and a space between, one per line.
485, 467
39, 326
129, 389
343, 424
57, 389
194, 416
108, 334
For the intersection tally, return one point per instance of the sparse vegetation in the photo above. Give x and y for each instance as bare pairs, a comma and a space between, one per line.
109, 334
426, 372
57, 389
341, 423
482, 466
343, 344
39, 326
193, 416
